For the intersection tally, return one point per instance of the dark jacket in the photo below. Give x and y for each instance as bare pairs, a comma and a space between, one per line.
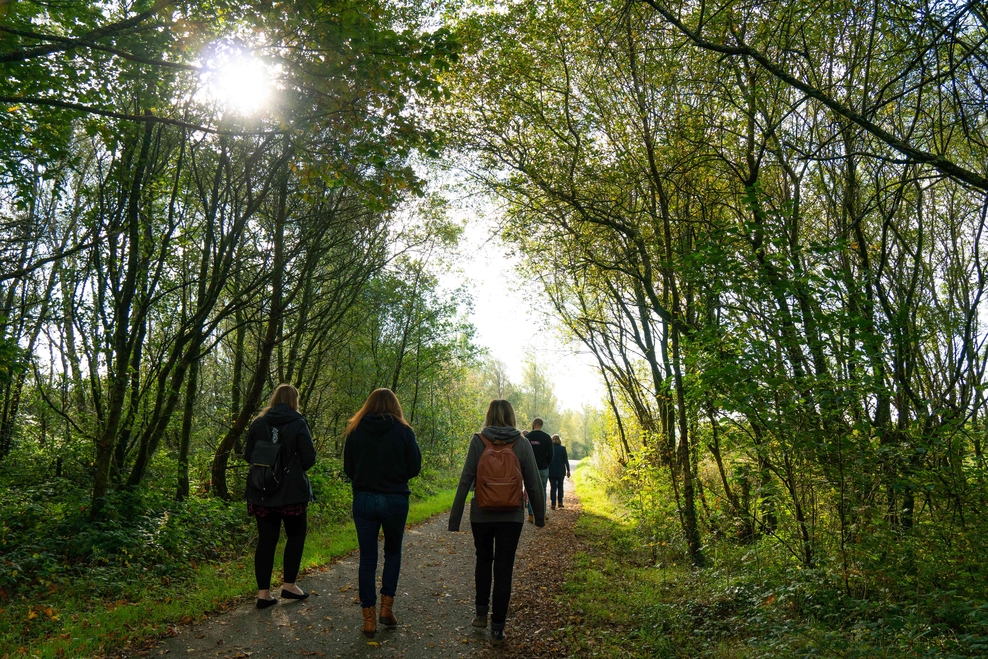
298, 455
381, 455
542, 446
560, 463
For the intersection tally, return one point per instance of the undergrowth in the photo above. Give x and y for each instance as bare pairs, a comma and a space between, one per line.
640, 598
71, 587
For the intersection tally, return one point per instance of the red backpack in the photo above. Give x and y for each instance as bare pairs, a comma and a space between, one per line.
499, 480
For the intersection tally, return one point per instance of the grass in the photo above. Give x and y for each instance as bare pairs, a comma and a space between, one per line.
622, 606
74, 628
630, 597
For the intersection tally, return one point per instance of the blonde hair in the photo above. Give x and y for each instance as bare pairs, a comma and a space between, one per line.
283, 393
380, 401
556, 440
500, 414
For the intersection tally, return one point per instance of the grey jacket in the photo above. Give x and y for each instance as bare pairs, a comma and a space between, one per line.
529, 472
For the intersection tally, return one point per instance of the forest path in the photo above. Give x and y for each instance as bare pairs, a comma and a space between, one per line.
434, 605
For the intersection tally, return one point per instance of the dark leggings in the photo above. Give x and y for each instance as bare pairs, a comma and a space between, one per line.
556, 490
268, 529
496, 543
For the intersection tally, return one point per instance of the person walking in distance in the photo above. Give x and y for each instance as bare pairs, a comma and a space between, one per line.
281, 431
542, 446
499, 461
380, 457
558, 470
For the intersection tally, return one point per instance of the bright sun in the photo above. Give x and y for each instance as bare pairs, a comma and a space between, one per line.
237, 81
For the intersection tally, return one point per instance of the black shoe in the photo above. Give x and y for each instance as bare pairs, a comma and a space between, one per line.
289, 595
497, 637
263, 604
480, 621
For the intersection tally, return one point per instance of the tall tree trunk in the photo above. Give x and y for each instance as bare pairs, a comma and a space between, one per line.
119, 376
690, 526
253, 397
183, 445
742, 516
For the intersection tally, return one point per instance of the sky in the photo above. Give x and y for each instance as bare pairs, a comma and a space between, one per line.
512, 319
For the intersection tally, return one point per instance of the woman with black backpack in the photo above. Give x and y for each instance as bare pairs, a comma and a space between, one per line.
379, 457
278, 491
499, 461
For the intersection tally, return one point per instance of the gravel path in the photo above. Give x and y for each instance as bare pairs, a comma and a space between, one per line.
434, 605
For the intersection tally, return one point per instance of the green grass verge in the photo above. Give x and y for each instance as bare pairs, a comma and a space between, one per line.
79, 630
622, 606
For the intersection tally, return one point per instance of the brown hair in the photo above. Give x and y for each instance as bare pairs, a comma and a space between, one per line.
500, 413
283, 393
556, 440
380, 401
537, 423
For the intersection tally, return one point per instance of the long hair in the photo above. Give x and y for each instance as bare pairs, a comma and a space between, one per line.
381, 401
283, 393
500, 413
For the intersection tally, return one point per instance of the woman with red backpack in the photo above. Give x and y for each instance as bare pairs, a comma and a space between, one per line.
499, 462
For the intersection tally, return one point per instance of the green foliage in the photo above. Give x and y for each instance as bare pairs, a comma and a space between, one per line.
757, 600
59, 568
92, 613
12, 360
49, 538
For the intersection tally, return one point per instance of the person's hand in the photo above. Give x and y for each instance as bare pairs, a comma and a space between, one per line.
567, 476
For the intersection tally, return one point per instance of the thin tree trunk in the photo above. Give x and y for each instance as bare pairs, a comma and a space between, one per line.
122, 344
191, 389
261, 374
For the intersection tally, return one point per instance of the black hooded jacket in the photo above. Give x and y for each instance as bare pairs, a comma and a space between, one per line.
298, 455
381, 455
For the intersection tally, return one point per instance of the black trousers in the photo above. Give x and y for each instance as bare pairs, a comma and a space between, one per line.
556, 484
268, 529
496, 543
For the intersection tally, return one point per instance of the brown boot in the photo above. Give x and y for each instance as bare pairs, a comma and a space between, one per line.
387, 615
370, 624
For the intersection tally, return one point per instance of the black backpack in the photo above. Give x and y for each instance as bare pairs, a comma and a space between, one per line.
266, 472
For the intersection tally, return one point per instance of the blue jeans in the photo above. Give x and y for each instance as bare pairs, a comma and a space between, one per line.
373, 511
544, 477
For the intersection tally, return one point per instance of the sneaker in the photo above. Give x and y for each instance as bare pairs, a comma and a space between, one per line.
497, 637
531, 519
480, 621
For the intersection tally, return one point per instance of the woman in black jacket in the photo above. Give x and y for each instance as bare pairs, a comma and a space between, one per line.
379, 457
280, 421
558, 470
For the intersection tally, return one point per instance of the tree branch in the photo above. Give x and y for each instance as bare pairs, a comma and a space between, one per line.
940, 163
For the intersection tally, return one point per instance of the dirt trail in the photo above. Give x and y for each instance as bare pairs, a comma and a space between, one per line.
434, 605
